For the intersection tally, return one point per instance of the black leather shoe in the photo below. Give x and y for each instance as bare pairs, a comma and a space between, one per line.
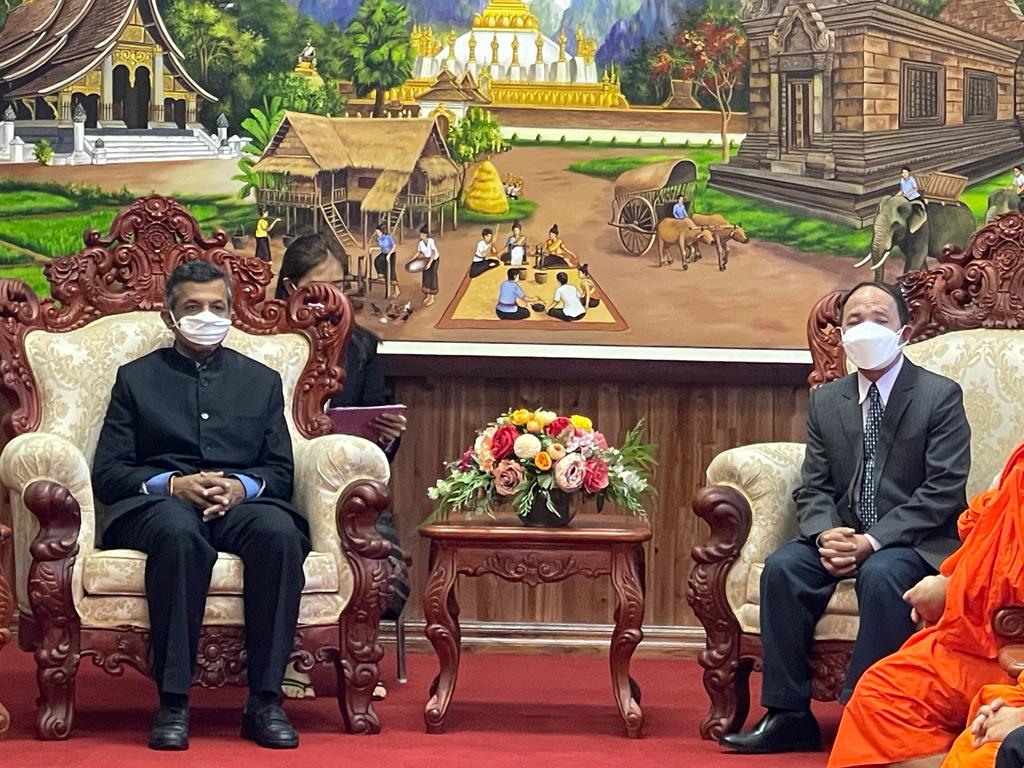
170, 729
777, 732
269, 726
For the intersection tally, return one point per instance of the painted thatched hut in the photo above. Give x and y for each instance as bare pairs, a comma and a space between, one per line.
347, 172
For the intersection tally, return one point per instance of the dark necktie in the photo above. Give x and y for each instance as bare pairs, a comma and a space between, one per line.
867, 511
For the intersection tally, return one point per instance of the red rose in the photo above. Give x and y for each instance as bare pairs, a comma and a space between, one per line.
558, 426
596, 476
503, 441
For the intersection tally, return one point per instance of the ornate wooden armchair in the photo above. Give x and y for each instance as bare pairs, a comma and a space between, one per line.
6, 612
58, 359
965, 317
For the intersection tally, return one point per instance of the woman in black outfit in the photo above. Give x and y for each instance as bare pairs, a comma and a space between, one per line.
311, 258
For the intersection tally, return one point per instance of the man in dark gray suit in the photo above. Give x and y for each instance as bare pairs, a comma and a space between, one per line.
883, 481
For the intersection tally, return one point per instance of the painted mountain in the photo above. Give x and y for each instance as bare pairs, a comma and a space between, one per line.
653, 20
597, 17
439, 13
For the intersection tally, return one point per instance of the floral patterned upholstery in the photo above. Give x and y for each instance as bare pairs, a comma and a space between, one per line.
988, 364
75, 372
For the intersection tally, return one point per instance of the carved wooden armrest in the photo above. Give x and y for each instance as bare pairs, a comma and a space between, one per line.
6, 612
1008, 626
368, 554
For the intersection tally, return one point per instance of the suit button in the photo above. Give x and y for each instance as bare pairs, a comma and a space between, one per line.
207, 447
204, 416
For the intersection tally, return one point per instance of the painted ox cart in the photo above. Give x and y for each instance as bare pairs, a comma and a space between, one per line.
645, 195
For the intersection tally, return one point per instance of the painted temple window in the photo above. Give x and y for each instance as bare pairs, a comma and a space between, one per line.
980, 96
922, 94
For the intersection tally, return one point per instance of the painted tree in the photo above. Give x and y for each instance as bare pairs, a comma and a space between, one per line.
376, 50
211, 39
261, 125
473, 138
714, 56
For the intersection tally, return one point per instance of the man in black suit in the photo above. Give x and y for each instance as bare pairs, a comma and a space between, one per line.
883, 481
194, 458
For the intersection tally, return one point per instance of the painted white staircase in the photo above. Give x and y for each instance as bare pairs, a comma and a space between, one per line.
138, 148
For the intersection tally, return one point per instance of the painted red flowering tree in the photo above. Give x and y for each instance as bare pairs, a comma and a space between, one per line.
712, 54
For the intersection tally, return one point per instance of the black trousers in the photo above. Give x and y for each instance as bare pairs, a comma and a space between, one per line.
795, 590
1011, 751
521, 313
181, 550
477, 268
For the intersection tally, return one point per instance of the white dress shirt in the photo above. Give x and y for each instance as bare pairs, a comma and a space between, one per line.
885, 385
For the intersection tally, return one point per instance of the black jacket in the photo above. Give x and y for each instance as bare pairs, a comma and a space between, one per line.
922, 461
165, 415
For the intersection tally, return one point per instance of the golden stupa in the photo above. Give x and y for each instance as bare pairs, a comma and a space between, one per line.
514, 64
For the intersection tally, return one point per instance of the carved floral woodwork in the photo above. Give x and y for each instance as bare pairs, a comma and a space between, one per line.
534, 556
980, 286
126, 271
6, 613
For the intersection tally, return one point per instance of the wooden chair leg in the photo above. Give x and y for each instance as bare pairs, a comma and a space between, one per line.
400, 647
728, 688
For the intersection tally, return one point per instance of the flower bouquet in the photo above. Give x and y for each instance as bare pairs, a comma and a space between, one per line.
539, 462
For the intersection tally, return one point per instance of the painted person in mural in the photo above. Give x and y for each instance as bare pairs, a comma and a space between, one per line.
311, 258
1018, 186
556, 254
513, 303
426, 250
679, 209
909, 187
588, 288
515, 246
263, 229
567, 303
483, 260
384, 262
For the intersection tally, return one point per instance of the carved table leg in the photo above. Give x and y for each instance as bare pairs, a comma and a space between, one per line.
628, 580
6, 611
441, 611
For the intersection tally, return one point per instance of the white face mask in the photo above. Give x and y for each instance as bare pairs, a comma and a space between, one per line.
205, 329
871, 346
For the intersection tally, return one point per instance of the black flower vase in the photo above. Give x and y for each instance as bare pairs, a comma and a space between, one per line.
540, 516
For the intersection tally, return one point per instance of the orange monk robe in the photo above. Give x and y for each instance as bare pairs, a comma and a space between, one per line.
915, 702
963, 754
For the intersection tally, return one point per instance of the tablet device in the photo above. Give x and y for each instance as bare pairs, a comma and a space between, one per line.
358, 421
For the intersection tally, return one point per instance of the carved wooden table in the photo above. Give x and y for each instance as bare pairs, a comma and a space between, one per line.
592, 545
6, 612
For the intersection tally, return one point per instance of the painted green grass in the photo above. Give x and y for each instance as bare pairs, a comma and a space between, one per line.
613, 167
22, 201
524, 140
976, 195
10, 256
53, 236
31, 274
517, 210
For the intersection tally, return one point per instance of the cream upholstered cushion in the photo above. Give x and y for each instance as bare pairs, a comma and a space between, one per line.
988, 364
75, 373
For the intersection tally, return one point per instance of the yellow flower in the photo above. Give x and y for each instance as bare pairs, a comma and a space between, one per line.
533, 426
521, 416
543, 461
582, 422
545, 417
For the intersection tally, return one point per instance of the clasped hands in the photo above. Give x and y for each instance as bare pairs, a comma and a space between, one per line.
210, 492
994, 722
842, 550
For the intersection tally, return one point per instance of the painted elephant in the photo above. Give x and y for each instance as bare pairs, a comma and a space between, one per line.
902, 224
1002, 200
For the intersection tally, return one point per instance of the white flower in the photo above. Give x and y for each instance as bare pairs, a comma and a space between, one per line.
433, 493
526, 446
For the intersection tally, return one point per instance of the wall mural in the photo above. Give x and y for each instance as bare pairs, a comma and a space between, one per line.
654, 173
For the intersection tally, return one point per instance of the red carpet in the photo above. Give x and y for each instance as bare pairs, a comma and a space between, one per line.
508, 712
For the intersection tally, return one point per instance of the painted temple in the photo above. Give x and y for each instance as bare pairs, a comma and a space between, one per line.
513, 63
111, 64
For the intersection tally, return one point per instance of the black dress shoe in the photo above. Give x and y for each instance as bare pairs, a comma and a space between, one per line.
170, 729
269, 726
777, 732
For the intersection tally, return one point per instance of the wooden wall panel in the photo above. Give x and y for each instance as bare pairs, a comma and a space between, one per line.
690, 423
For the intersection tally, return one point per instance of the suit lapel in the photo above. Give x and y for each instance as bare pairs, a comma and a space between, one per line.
899, 399
851, 414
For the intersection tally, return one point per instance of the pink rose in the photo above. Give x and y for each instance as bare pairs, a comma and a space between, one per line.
569, 472
600, 442
508, 475
595, 477
503, 441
